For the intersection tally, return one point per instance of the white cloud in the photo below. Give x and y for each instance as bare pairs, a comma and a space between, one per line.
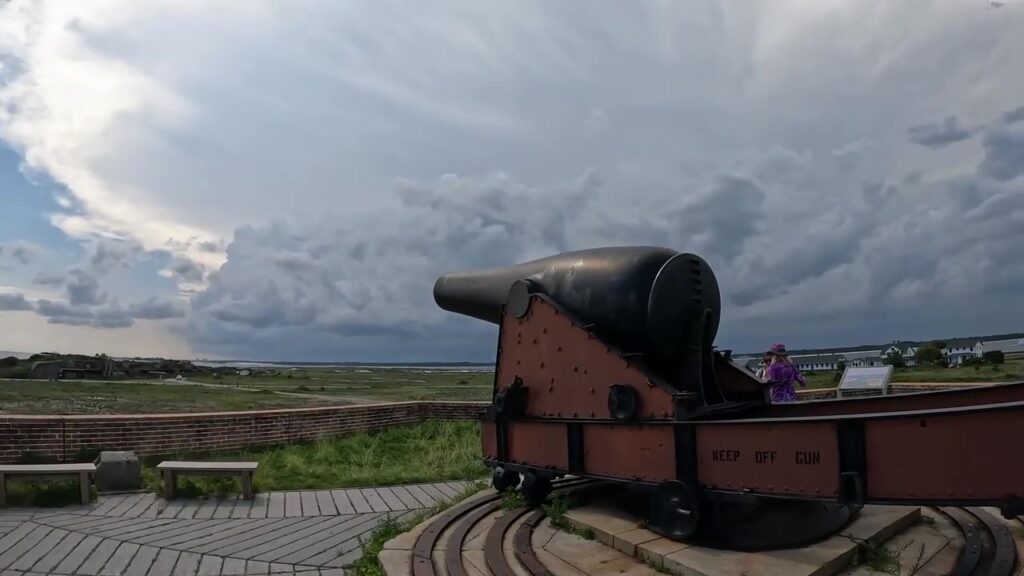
775, 141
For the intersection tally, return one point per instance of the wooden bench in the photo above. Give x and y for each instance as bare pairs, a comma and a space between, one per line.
171, 471
46, 472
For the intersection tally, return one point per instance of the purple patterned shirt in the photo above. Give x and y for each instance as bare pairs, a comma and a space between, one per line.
784, 376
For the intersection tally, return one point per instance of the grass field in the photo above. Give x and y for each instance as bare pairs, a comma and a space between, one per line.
1011, 371
42, 397
369, 383
292, 388
428, 452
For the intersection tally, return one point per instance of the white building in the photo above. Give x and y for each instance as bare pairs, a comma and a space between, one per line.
1013, 348
861, 358
818, 362
959, 349
908, 350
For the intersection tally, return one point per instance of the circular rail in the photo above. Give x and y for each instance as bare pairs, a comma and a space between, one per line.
989, 548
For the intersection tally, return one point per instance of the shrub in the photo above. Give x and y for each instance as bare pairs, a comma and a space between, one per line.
993, 357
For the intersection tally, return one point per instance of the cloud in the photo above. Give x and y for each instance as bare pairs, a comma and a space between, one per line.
23, 252
109, 316
46, 279
940, 134
187, 270
1015, 115
772, 141
13, 302
110, 253
83, 289
1004, 152
156, 308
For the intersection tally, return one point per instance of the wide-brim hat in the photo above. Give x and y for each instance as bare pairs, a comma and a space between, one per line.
778, 350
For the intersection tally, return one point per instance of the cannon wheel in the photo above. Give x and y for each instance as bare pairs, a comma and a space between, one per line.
676, 510
535, 488
504, 480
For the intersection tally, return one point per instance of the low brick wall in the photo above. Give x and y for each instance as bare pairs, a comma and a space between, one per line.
61, 437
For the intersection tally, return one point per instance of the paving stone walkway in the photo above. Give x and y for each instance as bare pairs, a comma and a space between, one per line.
307, 533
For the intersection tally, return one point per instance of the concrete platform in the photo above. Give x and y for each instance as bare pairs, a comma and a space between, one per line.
624, 533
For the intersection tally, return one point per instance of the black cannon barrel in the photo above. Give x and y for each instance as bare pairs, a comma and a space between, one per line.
641, 298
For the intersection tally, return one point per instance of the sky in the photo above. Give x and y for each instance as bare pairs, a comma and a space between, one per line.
286, 181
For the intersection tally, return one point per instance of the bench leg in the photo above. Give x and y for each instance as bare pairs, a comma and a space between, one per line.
247, 485
83, 481
3, 490
169, 484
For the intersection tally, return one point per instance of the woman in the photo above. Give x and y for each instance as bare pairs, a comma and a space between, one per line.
781, 376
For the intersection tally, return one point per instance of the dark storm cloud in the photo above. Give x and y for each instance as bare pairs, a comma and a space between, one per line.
1015, 115
23, 252
108, 254
156, 308
83, 289
187, 270
1004, 152
13, 302
940, 134
45, 279
108, 316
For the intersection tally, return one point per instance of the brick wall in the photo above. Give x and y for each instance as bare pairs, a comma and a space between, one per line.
61, 437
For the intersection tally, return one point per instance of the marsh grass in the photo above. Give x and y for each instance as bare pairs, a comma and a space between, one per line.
433, 451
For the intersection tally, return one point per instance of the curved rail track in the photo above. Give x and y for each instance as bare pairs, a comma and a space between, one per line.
988, 546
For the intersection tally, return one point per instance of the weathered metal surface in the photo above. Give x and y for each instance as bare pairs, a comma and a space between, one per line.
795, 459
457, 539
970, 554
538, 443
930, 400
494, 553
630, 452
636, 296
956, 456
489, 439
1004, 553
522, 546
567, 371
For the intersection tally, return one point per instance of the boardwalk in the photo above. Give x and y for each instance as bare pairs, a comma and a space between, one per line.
309, 533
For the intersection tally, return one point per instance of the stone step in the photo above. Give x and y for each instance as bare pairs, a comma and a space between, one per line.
623, 532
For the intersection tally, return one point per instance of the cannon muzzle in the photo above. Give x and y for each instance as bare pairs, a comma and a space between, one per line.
640, 298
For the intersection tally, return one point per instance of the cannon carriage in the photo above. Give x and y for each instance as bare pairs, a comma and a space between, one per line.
606, 368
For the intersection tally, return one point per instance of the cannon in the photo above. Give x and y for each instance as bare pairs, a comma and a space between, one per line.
606, 368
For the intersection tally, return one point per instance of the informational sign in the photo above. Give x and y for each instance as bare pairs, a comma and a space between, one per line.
865, 378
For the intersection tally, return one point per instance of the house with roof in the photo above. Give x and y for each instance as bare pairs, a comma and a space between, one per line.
959, 349
1013, 348
907, 349
862, 358
818, 362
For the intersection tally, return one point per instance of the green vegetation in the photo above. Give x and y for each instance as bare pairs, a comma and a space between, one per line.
878, 557
43, 397
44, 493
1011, 371
367, 384
555, 510
428, 452
929, 355
511, 500
368, 563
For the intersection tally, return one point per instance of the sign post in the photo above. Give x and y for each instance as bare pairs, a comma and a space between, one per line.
865, 378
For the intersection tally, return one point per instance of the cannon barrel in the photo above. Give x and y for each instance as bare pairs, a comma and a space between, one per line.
640, 298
